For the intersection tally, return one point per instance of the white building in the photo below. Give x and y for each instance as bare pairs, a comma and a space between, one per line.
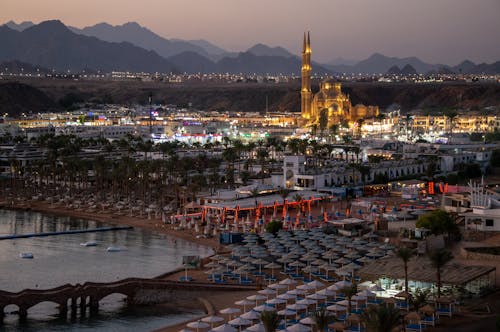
302, 172
485, 215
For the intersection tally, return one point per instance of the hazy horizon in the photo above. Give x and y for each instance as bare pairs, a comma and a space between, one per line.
436, 31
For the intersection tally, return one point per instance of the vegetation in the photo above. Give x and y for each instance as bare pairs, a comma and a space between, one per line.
439, 258
419, 298
405, 254
438, 222
381, 318
274, 227
322, 318
270, 320
495, 158
349, 292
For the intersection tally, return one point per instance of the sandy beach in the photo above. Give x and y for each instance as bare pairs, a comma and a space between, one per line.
153, 224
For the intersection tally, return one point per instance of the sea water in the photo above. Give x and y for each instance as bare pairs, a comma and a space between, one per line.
61, 259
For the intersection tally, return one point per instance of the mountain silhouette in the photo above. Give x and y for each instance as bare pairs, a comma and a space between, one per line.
21, 26
264, 50
51, 44
140, 36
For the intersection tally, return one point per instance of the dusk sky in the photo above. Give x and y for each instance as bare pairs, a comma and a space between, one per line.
445, 31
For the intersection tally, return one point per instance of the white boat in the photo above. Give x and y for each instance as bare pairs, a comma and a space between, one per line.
113, 249
89, 244
26, 255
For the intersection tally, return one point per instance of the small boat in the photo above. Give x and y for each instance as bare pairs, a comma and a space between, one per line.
26, 255
113, 249
88, 244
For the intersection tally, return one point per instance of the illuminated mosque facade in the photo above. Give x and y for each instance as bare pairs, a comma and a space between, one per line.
329, 99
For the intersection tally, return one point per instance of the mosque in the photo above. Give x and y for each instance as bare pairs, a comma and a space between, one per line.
329, 99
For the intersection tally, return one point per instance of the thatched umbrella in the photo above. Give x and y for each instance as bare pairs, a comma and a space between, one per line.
337, 326
413, 317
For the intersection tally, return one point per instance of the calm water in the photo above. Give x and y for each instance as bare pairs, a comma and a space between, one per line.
61, 259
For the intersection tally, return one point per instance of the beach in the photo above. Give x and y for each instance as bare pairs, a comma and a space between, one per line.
214, 301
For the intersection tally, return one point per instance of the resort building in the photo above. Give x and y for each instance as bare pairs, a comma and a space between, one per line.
456, 278
301, 172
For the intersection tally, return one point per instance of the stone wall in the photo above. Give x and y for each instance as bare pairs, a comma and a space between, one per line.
478, 255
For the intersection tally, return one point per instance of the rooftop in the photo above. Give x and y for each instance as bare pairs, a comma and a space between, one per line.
420, 269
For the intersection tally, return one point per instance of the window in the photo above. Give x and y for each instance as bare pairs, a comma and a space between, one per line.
489, 222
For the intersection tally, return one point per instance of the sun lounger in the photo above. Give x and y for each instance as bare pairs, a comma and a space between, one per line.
444, 312
414, 328
296, 276
327, 279
246, 282
428, 320
184, 278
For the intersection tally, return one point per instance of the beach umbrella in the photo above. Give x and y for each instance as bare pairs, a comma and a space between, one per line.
316, 284
336, 308
307, 321
239, 322
275, 301
244, 303
342, 284
212, 264
359, 298
288, 282
286, 312
256, 328
251, 315
316, 296
298, 328
267, 292
212, 319
256, 297
337, 326
345, 303
297, 264
306, 301
302, 288
296, 291
264, 307
366, 293
326, 292
272, 266
260, 262
198, 325
276, 286
427, 309
286, 296
318, 262
342, 261
224, 328
229, 311
413, 317
296, 306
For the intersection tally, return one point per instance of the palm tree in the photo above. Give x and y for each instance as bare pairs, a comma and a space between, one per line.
381, 318
405, 254
439, 258
322, 318
419, 298
349, 292
270, 320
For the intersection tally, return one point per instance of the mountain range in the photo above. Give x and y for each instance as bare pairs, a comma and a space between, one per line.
133, 47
